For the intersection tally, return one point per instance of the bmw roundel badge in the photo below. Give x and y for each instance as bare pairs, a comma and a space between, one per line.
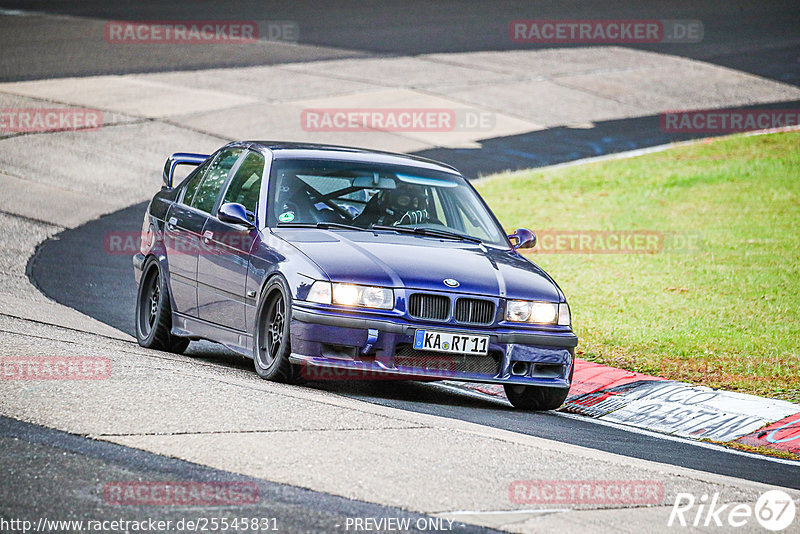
451, 282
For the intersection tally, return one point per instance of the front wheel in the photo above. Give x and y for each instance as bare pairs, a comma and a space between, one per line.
271, 348
537, 398
154, 315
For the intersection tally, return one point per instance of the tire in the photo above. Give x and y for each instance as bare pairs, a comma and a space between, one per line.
537, 398
179, 344
271, 336
154, 314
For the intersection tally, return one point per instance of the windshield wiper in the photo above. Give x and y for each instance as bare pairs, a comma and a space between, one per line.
323, 225
427, 232
430, 232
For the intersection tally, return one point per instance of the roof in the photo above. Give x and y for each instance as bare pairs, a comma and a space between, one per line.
282, 149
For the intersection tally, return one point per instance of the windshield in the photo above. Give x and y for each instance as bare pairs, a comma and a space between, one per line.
366, 195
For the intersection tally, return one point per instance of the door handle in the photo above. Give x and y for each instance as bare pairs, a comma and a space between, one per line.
171, 223
208, 235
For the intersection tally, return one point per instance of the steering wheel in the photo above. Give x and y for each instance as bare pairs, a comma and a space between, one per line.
417, 217
413, 217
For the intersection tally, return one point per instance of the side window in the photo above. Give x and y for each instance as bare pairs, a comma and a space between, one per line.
246, 183
214, 178
191, 185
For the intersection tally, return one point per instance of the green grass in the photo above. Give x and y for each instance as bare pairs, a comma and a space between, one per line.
725, 314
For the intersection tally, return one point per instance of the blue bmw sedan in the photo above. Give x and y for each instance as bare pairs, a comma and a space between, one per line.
324, 261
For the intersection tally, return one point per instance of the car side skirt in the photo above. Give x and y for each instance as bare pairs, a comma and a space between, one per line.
195, 328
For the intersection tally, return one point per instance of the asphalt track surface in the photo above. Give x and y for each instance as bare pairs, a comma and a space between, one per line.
760, 38
58, 476
755, 37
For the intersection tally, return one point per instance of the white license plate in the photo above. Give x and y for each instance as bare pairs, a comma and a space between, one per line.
451, 342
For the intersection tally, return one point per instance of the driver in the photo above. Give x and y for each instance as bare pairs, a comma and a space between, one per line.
407, 204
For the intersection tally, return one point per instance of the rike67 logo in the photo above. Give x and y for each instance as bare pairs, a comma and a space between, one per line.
774, 510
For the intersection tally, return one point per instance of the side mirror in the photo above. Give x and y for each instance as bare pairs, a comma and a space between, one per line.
523, 238
234, 213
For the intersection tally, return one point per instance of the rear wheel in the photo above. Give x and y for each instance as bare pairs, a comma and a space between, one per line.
153, 313
536, 398
271, 347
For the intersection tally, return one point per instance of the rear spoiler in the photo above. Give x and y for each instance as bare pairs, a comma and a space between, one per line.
180, 158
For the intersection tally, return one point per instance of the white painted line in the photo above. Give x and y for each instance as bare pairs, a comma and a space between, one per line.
15, 13
683, 409
506, 512
633, 429
668, 437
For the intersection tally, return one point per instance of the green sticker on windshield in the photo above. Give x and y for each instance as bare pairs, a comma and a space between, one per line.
286, 216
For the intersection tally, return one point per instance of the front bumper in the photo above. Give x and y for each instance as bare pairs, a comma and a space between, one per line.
331, 345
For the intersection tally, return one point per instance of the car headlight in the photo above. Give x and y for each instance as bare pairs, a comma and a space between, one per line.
320, 292
351, 295
518, 311
525, 311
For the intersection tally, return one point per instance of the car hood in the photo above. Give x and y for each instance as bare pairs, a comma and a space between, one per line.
421, 262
